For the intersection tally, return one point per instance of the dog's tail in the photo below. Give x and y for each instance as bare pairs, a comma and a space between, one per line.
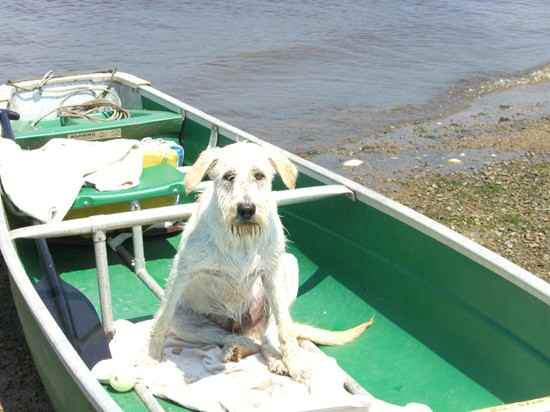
329, 337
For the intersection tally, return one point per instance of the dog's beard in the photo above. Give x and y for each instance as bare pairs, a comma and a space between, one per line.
239, 227
246, 229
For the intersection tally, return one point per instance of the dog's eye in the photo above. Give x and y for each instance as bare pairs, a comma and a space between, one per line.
259, 176
229, 176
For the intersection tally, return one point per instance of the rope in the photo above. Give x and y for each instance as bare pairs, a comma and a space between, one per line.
87, 110
84, 110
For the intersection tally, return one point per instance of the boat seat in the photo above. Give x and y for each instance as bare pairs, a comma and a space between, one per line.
155, 182
140, 123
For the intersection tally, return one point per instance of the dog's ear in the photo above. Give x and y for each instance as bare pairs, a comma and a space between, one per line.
285, 168
193, 177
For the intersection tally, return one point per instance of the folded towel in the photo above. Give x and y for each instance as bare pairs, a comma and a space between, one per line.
196, 377
45, 182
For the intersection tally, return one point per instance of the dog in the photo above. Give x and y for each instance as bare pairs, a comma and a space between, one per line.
232, 282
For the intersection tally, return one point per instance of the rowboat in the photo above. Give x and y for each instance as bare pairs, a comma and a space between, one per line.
457, 327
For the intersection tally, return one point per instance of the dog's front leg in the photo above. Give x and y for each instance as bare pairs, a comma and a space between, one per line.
165, 314
280, 294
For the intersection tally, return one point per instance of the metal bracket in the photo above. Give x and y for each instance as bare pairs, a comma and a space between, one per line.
214, 131
183, 117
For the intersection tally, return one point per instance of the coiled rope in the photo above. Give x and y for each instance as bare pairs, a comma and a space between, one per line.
87, 110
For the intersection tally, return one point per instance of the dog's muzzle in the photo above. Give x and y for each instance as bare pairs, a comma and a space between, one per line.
246, 223
246, 210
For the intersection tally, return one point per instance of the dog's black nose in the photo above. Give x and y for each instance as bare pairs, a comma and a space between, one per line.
246, 210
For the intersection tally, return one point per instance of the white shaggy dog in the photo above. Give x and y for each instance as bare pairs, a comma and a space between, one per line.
232, 283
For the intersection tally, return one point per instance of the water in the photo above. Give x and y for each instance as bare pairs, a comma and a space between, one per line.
300, 74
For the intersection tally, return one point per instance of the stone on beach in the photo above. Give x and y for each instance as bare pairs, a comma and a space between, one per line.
353, 163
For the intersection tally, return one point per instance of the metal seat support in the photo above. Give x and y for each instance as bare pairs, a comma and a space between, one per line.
139, 258
104, 283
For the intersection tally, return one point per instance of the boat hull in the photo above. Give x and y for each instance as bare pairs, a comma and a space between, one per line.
456, 326
63, 391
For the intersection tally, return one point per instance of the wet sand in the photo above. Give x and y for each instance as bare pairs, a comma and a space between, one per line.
497, 192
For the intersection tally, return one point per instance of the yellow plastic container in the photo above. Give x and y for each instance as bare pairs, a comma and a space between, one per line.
155, 156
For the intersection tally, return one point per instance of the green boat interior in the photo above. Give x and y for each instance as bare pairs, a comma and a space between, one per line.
447, 331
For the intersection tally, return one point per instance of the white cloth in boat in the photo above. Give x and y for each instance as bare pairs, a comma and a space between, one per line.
44, 182
196, 377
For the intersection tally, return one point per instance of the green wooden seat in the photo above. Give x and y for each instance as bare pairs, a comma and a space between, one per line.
140, 123
156, 181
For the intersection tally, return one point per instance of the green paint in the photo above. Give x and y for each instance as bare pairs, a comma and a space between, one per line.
195, 139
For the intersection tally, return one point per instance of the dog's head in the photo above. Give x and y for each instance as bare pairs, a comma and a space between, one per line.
242, 174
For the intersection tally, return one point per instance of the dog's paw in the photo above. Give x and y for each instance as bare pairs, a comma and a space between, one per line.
232, 353
277, 366
235, 351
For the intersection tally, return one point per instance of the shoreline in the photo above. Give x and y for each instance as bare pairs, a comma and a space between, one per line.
326, 134
494, 126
